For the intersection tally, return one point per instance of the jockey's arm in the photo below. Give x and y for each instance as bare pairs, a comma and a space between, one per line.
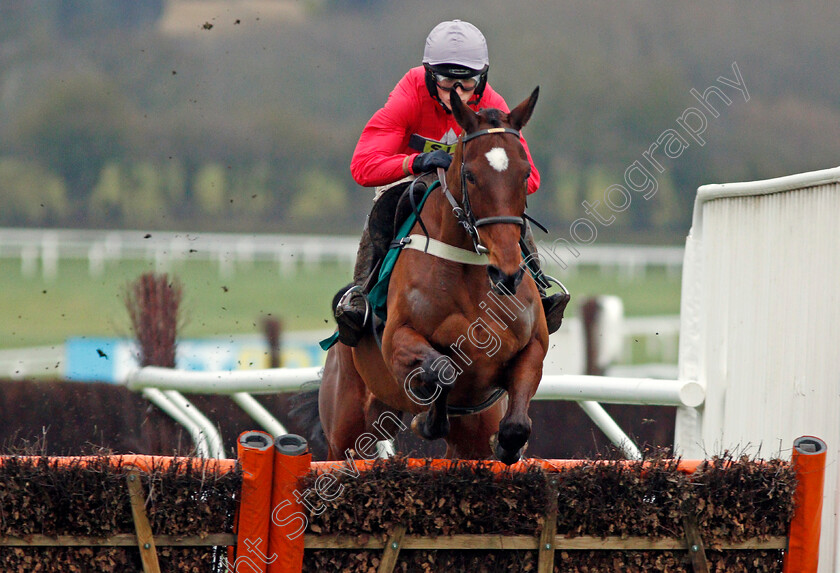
379, 157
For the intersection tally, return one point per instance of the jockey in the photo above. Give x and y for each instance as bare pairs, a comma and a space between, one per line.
414, 134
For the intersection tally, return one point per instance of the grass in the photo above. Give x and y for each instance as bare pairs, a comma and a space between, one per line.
35, 311
655, 293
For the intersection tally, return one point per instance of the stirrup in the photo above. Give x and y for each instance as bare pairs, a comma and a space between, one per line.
350, 332
550, 279
345, 298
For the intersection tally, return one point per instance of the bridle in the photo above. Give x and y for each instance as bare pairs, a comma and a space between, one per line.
463, 210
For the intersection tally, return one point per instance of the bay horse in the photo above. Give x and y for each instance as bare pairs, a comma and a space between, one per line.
463, 346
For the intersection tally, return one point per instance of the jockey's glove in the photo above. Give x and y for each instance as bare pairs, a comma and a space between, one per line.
430, 161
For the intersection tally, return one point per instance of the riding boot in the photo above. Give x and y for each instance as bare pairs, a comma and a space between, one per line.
352, 310
553, 305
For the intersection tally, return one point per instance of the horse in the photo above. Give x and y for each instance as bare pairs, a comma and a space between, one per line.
465, 338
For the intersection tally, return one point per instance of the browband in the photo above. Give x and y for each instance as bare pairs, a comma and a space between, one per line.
489, 131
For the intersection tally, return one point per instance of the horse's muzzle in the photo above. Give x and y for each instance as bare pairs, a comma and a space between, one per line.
504, 284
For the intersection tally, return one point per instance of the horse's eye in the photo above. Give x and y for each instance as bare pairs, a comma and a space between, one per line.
469, 177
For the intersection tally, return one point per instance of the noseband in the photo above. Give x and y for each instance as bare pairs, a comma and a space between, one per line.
463, 211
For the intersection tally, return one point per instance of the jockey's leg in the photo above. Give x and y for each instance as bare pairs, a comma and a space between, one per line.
553, 305
352, 311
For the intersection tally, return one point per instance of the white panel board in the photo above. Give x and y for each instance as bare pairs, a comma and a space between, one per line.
760, 325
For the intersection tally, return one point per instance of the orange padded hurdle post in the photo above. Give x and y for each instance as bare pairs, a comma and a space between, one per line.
255, 451
288, 516
808, 461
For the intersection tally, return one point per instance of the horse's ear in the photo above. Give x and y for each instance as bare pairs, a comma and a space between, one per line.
522, 113
465, 117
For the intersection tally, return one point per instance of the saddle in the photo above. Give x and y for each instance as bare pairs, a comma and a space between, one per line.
406, 211
392, 209
392, 217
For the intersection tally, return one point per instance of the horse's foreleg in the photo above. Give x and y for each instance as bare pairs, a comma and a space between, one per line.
423, 373
515, 427
434, 423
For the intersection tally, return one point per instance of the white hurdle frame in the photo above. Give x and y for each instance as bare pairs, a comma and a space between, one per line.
587, 391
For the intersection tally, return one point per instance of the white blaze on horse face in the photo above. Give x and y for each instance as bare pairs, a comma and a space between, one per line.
497, 158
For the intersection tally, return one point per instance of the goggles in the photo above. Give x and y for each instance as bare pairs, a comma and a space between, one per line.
467, 84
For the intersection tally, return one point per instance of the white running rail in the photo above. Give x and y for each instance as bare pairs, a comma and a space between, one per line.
587, 391
42, 250
642, 391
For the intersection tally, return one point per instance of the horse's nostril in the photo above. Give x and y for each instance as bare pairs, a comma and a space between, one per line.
495, 274
504, 283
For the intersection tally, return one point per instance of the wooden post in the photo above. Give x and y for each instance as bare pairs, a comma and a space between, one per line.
545, 561
145, 540
392, 550
694, 544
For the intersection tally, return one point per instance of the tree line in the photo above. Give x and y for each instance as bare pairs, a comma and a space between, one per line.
247, 121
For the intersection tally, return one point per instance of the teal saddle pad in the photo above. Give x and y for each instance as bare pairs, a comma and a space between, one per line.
378, 295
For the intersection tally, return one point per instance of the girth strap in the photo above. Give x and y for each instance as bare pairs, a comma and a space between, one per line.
467, 410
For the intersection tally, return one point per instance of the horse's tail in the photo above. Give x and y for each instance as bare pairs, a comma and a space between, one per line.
304, 412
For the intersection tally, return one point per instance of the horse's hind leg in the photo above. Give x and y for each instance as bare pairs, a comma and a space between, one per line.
342, 400
469, 437
515, 427
384, 423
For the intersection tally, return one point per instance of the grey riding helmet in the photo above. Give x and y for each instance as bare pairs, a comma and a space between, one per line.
456, 49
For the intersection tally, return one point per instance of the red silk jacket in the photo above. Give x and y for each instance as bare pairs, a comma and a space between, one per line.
384, 144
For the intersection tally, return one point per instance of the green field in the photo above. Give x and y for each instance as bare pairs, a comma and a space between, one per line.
38, 312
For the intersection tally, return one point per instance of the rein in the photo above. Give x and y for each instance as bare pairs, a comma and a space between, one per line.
463, 211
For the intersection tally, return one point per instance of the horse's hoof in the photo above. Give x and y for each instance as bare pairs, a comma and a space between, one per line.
506, 456
417, 423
